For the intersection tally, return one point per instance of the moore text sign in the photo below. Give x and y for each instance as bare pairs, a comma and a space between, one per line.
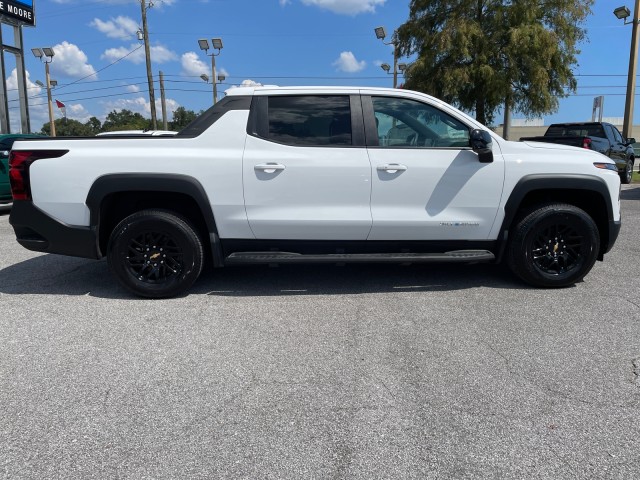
18, 11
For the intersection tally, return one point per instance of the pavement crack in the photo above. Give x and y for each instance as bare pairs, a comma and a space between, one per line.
633, 303
106, 398
635, 363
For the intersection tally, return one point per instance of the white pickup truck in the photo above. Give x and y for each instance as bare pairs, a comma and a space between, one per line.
282, 175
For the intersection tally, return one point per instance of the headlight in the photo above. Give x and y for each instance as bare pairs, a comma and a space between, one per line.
606, 166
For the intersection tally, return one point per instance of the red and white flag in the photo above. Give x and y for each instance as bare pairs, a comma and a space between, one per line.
62, 108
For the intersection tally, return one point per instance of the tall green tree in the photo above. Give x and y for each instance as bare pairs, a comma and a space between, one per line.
181, 118
482, 55
66, 127
94, 125
125, 120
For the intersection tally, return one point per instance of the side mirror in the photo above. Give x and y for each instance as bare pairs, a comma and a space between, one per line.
481, 143
631, 141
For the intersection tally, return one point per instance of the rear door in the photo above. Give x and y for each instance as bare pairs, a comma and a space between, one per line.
306, 171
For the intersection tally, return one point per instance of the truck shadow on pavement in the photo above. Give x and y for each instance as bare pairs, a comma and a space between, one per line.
59, 275
630, 192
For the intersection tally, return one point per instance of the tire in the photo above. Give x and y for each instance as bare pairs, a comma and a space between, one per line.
553, 246
159, 235
627, 175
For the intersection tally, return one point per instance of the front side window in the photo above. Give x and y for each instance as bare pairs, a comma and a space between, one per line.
310, 120
402, 122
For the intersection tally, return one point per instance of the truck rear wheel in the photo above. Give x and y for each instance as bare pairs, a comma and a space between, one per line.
627, 175
155, 254
553, 246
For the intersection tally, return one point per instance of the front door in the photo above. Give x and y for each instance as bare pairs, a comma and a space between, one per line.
427, 182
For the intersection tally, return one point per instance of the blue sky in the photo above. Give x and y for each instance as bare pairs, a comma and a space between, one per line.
282, 42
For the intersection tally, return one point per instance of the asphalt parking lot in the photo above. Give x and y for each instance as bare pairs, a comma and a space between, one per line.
359, 371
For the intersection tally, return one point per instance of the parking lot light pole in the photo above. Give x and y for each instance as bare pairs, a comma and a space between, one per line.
216, 43
381, 34
46, 55
623, 13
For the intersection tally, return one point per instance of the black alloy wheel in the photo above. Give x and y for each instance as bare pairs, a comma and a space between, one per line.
155, 253
154, 257
554, 246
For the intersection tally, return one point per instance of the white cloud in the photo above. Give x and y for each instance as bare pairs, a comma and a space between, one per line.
37, 98
142, 106
247, 83
346, 7
159, 54
71, 62
347, 62
77, 112
119, 27
132, 88
284, 2
193, 66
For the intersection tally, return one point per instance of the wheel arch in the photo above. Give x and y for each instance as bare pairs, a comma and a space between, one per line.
586, 192
113, 197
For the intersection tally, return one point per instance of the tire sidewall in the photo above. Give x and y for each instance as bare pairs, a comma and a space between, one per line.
627, 175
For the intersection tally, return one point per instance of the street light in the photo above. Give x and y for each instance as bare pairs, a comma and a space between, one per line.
622, 13
46, 55
221, 77
216, 44
381, 34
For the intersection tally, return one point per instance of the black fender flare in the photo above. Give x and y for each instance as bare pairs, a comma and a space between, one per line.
154, 182
541, 182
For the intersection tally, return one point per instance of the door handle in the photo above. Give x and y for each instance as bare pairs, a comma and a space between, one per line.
269, 167
392, 168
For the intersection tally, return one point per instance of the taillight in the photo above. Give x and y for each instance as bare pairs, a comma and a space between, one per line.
586, 143
19, 163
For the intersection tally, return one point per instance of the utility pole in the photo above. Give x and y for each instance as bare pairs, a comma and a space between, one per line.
213, 79
631, 81
395, 60
145, 32
163, 101
506, 127
52, 120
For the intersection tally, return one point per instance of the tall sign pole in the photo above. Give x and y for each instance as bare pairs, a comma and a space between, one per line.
17, 14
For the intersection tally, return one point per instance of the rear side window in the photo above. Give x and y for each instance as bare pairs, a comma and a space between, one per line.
310, 120
576, 131
617, 135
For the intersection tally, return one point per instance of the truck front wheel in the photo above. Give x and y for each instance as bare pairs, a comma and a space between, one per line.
155, 253
553, 246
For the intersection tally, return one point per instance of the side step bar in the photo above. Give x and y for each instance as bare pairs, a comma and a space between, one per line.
457, 256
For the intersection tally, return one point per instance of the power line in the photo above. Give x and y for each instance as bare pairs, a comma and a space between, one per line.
104, 68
